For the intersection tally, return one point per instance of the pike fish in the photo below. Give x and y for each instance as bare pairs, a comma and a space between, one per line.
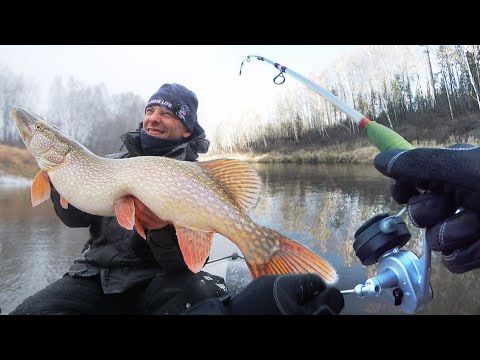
198, 198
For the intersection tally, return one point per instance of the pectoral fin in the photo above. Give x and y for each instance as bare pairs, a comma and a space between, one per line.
195, 246
63, 202
127, 215
40, 188
125, 211
139, 227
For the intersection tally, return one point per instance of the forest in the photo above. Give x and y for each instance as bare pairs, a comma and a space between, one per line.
421, 91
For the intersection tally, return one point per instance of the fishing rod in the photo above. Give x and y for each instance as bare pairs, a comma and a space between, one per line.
381, 136
379, 239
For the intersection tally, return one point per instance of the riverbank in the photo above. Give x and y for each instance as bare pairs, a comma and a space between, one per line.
15, 161
327, 155
19, 162
358, 152
341, 144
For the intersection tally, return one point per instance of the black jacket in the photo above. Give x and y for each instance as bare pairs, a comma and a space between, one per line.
121, 257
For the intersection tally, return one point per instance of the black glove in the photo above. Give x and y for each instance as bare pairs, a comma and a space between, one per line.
435, 183
290, 294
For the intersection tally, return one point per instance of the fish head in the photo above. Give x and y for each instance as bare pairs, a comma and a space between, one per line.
48, 144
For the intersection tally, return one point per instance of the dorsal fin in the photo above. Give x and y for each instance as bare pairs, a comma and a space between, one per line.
238, 177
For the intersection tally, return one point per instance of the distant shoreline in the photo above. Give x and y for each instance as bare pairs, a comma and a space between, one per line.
14, 180
17, 164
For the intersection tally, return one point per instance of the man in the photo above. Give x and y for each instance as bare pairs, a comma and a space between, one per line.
121, 273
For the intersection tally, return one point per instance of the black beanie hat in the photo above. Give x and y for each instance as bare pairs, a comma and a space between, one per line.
180, 100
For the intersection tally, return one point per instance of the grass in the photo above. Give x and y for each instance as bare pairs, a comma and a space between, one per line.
359, 153
17, 162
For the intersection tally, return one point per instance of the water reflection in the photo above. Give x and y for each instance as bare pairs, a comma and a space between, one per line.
318, 205
35, 247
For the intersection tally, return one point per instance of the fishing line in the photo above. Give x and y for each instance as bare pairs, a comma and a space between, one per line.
234, 256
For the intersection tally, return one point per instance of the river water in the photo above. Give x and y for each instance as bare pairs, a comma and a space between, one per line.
320, 206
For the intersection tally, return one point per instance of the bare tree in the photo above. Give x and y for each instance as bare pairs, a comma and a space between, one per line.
476, 54
15, 91
432, 78
92, 116
474, 84
448, 96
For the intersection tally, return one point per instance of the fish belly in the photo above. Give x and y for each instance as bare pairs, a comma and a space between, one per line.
89, 196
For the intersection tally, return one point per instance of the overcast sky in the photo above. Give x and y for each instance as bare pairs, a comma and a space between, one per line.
211, 71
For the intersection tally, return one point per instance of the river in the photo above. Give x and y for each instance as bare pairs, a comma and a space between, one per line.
320, 206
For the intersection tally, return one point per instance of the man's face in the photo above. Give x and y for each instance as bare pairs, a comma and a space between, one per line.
160, 122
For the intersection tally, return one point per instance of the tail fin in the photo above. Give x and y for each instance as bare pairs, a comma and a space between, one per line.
291, 257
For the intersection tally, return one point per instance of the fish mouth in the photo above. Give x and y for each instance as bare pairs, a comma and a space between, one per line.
24, 121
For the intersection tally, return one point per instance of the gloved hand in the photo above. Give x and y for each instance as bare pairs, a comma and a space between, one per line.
290, 294
435, 183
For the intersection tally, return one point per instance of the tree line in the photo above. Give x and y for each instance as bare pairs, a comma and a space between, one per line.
87, 113
391, 84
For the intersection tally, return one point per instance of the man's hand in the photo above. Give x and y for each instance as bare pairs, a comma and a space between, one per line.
289, 294
441, 188
149, 219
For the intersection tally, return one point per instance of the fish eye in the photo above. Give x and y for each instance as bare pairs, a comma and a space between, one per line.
38, 127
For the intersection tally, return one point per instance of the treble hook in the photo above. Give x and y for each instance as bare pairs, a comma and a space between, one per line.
282, 78
247, 59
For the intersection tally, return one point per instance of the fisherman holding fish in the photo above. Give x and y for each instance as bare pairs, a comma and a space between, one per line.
155, 268
119, 272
